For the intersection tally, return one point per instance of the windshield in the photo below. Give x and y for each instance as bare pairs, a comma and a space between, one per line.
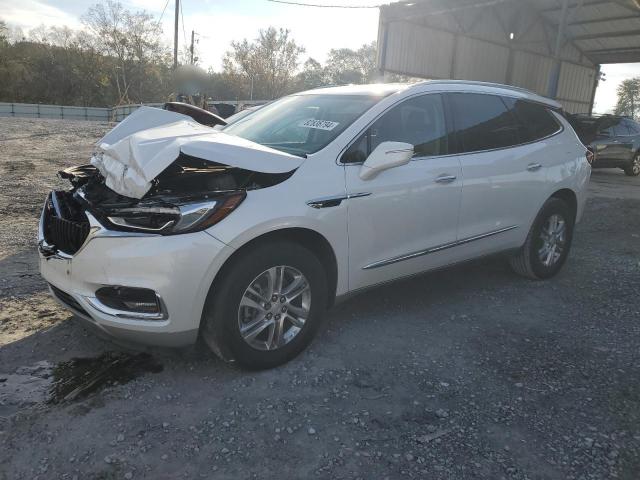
301, 124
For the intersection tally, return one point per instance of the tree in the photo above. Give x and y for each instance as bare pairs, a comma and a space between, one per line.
265, 67
118, 58
345, 65
4, 33
313, 75
132, 39
629, 98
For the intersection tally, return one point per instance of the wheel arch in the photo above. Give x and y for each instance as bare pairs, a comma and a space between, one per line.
569, 197
306, 237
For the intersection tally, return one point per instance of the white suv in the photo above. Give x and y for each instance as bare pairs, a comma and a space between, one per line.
246, 235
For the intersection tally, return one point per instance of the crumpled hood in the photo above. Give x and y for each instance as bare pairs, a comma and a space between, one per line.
140, 147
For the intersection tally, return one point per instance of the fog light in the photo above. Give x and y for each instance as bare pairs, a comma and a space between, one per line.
130, 299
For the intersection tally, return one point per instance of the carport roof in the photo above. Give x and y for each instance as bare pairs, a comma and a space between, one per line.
605, 31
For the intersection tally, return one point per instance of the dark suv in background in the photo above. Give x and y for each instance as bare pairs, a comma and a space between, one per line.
614, 140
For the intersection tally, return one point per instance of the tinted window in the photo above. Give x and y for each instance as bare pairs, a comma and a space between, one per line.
419, 121
612, 128
621, 130
535, 121
482, 122
632, 126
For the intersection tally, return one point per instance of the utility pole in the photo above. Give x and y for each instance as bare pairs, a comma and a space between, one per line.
193, 34
175, 36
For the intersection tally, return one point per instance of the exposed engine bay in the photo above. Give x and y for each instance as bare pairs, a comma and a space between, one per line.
189, 195
158, 172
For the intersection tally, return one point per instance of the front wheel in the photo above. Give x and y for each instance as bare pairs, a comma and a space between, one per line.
267, 306
548, 243
633, 170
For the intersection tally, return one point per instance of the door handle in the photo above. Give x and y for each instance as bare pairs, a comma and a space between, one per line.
534, 167
445, 178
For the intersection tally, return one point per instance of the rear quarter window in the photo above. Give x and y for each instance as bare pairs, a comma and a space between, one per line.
535, 120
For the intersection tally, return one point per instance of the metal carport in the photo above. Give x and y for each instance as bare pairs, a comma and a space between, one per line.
553, 47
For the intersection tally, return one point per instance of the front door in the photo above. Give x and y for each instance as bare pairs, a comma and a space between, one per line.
401, 220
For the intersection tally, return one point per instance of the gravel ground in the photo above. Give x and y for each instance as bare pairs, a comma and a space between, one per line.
465, 373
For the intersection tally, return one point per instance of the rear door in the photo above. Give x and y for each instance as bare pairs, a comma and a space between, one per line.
627, 139
609, 142
504, 167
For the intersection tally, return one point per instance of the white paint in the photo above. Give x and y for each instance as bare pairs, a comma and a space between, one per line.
407, 211
140, 147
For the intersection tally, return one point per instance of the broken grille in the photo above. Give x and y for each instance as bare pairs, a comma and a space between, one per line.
66, 235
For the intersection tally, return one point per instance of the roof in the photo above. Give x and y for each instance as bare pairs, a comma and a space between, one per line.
497, 88
384, 89
374, 89
604, 31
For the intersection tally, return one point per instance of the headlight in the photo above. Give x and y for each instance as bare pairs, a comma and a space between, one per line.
188, 217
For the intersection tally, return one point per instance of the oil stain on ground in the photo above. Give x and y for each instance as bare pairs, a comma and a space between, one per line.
79, 377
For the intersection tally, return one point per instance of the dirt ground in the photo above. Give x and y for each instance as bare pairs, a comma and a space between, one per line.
465, 373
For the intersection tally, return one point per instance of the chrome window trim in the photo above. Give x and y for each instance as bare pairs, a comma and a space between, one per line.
561, 127
438, 248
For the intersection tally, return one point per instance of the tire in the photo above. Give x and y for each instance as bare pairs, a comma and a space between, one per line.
233, 300
633, 169
528, 262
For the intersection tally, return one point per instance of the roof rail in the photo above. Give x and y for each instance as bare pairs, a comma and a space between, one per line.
490, 84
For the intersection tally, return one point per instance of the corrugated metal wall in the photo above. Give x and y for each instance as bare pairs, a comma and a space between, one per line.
433, 47
531, 71
478, 60
424, 50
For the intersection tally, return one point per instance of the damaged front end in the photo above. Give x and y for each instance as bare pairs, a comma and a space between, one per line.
158, 172
190, 195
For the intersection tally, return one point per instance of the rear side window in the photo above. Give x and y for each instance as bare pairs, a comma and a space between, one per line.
613, 128
482, 122
632, 126
535, 120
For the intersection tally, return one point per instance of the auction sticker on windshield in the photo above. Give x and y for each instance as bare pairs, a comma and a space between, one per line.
319, 124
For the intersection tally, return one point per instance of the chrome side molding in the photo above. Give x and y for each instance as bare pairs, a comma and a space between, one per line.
427, 251
336, 200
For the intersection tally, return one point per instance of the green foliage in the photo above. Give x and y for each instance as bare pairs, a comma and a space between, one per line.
263, 68
120, 58
629, 98
346, 66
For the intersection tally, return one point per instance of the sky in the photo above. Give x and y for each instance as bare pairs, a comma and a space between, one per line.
218, 22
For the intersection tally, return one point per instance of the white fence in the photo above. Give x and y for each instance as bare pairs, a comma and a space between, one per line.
102, 114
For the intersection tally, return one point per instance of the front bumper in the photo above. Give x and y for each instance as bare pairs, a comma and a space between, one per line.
179, 268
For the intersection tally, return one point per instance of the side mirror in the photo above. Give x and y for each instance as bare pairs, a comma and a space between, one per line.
386, 155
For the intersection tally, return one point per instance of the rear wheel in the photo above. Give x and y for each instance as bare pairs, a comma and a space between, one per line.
548, 243
267, 307
633, 169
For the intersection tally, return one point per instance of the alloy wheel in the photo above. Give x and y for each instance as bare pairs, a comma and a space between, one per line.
552, 240
635, 166
274, 308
